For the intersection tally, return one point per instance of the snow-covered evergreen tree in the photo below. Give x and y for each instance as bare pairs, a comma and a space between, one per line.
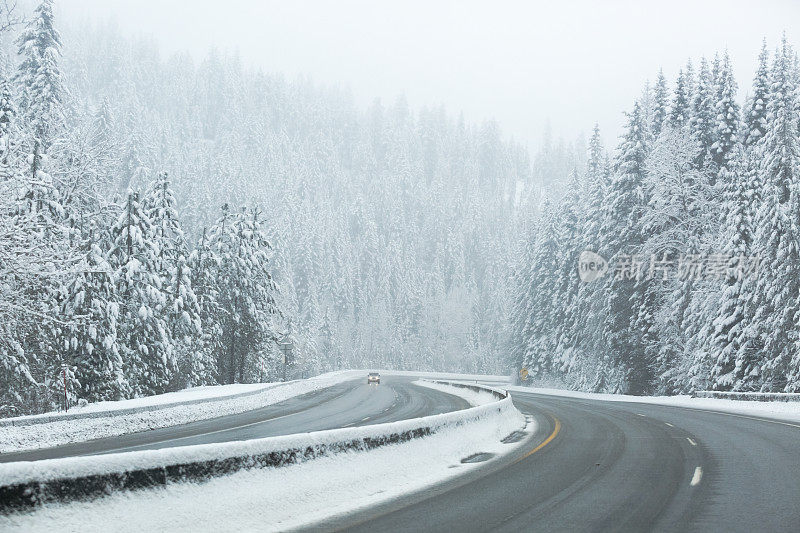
89, 335
727, 115
627, 308
681, 110
755, 116
778, 228
660, 103
147, 352
40, 85
704, 114
246, 292
727, 319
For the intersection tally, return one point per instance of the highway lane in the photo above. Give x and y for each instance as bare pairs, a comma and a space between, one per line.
613, 466
349, 404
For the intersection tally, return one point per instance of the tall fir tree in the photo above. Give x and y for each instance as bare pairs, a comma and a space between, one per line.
89, 336
778, 222
626, 305
727, 115
40, 84
660, 103
755, 116
147, 353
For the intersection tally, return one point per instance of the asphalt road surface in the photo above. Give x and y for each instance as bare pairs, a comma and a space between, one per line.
590, 466
349, 404
609, 466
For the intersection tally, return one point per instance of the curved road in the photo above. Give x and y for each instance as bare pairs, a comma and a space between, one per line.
590, 466
349, 404
613, 466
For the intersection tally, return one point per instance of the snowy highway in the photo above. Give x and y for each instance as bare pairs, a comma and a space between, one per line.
589, 465
350, 404
615, 466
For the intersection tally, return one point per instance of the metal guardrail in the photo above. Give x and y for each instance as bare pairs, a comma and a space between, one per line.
24, 495
749, 396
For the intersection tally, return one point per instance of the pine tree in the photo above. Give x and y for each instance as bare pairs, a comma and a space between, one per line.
660, 103
145, 344
203, 265
246, 291
704, 115
89, 336
41, 87
778, 223
161, 209
626, 303
729, 369
727, 119
9, 134
569, 239
755, 119
681, 110
539, 320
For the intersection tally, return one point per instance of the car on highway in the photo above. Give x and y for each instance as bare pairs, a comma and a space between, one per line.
373, 377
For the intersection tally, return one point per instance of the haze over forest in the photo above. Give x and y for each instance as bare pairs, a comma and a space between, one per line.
167, 220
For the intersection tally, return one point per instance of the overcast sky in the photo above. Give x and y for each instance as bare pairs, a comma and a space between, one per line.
522, 63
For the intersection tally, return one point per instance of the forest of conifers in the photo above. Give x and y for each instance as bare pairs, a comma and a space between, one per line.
703, 197
165, 222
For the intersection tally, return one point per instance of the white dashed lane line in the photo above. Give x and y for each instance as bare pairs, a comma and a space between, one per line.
698, 475
693, 443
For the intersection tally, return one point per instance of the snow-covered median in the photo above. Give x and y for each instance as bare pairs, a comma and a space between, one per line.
118, 418
474, 397
274, 498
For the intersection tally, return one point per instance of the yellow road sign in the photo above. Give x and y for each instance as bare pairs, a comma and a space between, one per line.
523, 374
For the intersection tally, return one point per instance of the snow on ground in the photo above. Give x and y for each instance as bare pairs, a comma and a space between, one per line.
289, 497
789, 411
187, 395
58, 432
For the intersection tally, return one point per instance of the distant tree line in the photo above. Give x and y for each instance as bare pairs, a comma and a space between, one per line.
695, 178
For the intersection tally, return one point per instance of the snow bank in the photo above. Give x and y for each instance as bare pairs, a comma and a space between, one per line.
26, 484
65, 429
147, 403
749, 396
778, 410
280, 499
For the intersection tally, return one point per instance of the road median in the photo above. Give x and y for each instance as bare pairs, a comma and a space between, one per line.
26, 485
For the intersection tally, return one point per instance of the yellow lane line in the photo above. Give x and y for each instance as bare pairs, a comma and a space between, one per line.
546, 441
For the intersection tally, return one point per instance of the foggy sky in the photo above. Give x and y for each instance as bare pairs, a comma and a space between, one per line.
522, 63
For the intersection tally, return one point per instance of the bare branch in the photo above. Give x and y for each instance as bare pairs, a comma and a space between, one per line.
9, 16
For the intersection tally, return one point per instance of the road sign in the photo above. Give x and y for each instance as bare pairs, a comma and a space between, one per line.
523, 374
